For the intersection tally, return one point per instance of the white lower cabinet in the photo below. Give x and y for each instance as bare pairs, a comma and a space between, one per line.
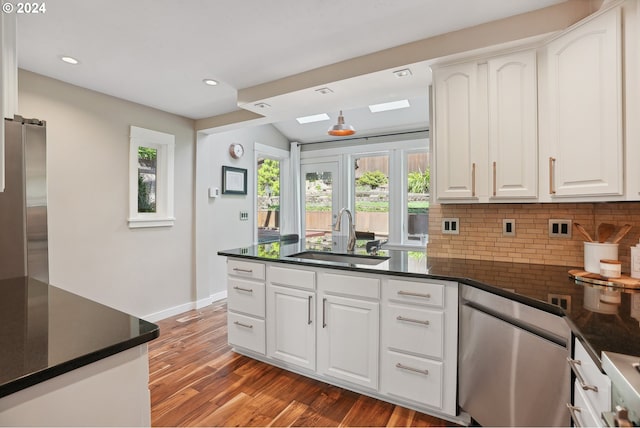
292, 330
386, 336
591, 389
348, 340
246, 305
419, 342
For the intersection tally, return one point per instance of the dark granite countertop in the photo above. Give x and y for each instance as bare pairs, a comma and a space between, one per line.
603, 318
46, 331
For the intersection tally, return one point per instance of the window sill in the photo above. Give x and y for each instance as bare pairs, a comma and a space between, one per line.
135, 223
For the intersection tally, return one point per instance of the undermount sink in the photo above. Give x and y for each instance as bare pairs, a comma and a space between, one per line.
340, 257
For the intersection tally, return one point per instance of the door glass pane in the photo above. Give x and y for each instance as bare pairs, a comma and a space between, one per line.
268, 199
147, 178
318, 208
372, 197
418, 197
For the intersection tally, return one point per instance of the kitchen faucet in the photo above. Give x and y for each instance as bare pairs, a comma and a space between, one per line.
351, 243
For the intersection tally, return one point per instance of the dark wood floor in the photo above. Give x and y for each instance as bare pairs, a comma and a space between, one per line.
197, 380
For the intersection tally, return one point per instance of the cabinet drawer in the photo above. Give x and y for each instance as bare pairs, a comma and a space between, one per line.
413, 329
245, 269
582, 411
246, 296
246, 332
425, 293
292, 277
413, 378
599, 400
357, 286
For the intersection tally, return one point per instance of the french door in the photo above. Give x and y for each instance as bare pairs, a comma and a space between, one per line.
320, 202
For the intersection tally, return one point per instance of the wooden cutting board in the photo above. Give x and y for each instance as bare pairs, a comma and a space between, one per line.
623, 281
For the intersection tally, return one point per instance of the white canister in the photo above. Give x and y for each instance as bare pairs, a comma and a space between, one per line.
610, 268
596, 251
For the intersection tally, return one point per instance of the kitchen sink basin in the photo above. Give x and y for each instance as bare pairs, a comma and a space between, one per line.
356, 259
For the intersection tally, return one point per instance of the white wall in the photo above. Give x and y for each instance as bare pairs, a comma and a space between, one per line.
92, 251
218, 219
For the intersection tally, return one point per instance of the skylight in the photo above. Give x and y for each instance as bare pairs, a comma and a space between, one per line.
393, 105
313, 118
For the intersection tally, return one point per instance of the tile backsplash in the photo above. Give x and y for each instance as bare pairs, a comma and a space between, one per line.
480, 231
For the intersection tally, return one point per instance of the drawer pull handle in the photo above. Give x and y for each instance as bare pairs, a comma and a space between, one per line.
412, 294
413, 320
494, 178
248, 290
583, 384
412, 369
243, 325
574, 414
243, 270
309, 311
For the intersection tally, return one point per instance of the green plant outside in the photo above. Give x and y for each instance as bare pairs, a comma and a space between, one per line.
373, 179
147, 153
269, 175
419, 181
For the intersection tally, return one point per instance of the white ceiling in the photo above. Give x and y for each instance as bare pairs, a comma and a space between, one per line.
156, 52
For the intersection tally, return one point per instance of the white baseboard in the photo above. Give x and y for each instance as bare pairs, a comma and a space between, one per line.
175, 310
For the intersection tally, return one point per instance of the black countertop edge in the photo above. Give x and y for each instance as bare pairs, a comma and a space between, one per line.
547, 307
70, 365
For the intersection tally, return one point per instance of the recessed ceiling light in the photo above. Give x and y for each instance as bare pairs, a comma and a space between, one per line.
313, 118
393, 105
262, 105
210, 82
324, 91
405, 72
69, 60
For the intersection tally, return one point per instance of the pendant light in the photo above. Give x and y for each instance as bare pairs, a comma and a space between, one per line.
340, 129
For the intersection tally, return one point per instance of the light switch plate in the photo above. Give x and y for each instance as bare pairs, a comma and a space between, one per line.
244, 215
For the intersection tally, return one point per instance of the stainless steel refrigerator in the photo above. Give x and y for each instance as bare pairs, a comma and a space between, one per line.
24, 244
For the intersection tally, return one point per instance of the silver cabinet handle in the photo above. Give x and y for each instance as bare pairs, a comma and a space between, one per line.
248, 290
309, 310
583, 384
324, 312
243, 270
412, 369
574, 414
412, 294
243, 325
413, 320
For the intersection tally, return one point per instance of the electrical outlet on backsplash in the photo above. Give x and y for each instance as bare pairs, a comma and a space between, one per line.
484, 239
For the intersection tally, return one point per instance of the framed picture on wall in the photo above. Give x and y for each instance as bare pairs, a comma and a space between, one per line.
234, 181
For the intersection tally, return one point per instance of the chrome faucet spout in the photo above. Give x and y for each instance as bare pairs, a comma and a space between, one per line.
351, 243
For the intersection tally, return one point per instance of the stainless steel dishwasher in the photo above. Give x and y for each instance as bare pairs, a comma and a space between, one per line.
513, 367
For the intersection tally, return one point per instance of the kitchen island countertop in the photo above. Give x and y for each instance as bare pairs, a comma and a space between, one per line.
603, 318
46, 331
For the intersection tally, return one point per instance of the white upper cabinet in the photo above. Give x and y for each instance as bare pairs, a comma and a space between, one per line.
486, 134
455, 130
513, 125
581, 119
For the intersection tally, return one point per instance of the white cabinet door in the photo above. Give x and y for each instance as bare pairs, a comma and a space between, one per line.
513, 125
455, 130
582, 124
348, 339
291, 334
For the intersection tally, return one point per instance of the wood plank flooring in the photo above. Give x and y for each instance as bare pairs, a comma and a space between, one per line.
197, 380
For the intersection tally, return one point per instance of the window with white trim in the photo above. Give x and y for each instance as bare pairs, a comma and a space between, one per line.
151, 165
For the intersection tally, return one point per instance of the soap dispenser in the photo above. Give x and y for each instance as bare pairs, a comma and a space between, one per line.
635, 261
